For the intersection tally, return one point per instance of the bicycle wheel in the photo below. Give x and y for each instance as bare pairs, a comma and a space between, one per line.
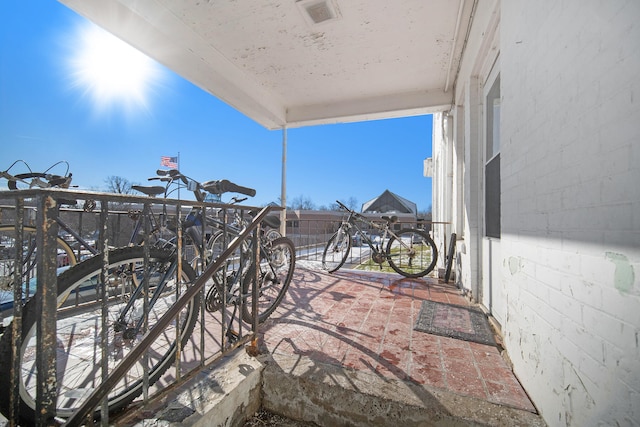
337, 250
79, 331
216, 244
272, 235
278, 260
8, 249
412, 253
228, 275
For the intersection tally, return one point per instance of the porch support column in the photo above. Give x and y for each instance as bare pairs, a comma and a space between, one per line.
283, 190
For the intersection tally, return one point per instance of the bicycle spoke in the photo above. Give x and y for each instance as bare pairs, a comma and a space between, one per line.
80, 329
276, 271
337, 251
411, 253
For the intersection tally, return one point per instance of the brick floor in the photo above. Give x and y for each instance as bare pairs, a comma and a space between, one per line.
364, 321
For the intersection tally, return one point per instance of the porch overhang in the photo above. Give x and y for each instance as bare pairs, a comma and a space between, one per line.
271, 60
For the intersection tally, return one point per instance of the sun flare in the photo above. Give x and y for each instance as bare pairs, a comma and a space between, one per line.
111, 71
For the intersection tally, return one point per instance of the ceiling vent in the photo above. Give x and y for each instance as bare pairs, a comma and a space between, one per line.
318, 11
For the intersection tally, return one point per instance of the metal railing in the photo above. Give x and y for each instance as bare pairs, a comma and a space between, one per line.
103, 221
311, 236
39, 208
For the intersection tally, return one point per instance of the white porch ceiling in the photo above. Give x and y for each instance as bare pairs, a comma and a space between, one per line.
267, 59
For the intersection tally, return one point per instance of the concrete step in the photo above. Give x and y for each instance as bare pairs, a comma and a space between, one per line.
224, 394
330, 395
314, 393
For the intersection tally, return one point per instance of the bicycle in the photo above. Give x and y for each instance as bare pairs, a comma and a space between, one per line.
275, 270
231, 283
66, 255
410, 251
106, 308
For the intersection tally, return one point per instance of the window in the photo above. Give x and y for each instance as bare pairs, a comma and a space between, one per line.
492, 165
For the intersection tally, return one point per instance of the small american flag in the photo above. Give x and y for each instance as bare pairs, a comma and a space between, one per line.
169, 162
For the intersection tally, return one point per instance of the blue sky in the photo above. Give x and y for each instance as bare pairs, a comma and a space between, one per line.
49, 112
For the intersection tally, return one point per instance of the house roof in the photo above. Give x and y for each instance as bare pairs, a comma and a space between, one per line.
300, 62
389, 202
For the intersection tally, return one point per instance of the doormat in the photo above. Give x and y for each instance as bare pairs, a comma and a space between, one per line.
454, 321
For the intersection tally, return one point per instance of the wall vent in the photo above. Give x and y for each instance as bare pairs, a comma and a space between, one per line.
318, 11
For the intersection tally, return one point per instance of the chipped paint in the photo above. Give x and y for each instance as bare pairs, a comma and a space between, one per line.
624, 275
514, 265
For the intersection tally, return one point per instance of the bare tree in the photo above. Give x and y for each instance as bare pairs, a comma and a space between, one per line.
303, 203
425, 214
352, 203
118, 185
118, 231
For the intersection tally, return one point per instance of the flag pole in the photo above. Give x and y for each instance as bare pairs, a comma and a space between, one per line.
180, 172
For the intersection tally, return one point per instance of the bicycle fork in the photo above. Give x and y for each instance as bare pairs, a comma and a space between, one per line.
121, 324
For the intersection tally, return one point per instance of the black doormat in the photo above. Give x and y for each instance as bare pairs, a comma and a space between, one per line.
454, 321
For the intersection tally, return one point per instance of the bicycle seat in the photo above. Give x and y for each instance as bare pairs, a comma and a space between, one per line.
272, 221
151, 190
390, 219
222, 186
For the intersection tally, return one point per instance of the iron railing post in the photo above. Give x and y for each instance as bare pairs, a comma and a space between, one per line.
125, 364
17, 315
254, 289
46, 289
103, 251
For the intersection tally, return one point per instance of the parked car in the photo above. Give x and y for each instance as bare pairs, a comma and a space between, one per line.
356, 239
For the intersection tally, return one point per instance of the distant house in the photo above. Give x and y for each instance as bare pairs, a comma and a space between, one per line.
389, 202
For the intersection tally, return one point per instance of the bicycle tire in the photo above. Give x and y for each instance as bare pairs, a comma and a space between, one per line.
278, 261
217, 244
79, 330
450, 253
272, 235
412, 253
336, 251
66, 257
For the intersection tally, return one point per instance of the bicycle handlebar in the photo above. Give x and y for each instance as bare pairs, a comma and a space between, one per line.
6, 175
225, 186
37, 179
216, 187
343, 206
352, 212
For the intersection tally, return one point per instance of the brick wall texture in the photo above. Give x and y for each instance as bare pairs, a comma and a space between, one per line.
570, 155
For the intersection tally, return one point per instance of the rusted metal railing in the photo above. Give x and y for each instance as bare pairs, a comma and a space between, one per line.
15, 209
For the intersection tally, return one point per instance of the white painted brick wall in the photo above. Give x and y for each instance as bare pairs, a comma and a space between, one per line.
570, 74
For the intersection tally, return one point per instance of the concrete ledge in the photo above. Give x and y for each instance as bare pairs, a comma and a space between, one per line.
224, 395
330, 395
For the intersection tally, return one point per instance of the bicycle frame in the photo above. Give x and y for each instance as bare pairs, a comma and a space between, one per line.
121, 323
84, 244
386, 233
